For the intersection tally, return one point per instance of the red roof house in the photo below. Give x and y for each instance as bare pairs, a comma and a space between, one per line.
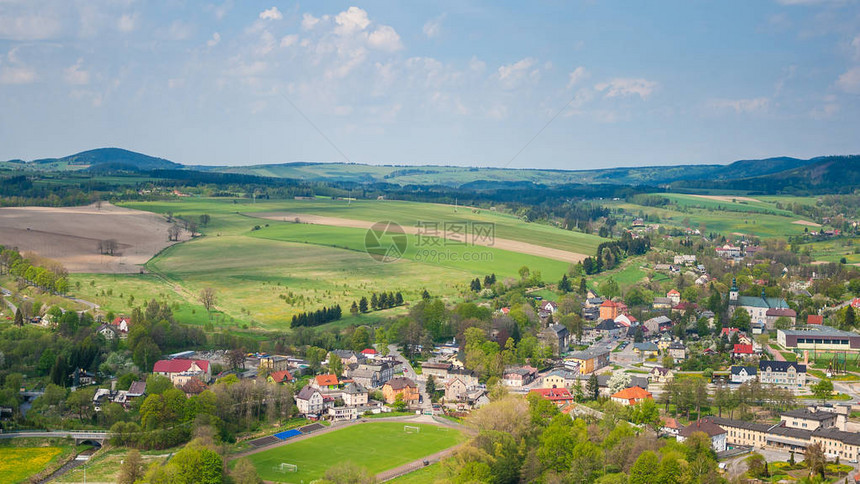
632, 396
282, 376
368, 351
742, 351
326, 381
559, 396
815, 319
179, 370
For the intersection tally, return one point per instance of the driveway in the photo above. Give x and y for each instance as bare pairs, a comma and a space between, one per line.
409, 372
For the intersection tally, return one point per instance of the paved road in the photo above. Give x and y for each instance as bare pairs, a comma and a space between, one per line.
77, 434
409, 372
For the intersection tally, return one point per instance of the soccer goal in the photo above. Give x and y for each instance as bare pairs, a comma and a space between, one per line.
283, 468
410, 429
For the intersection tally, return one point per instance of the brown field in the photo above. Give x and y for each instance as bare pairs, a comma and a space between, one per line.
804, 222
725, 198
504, 244
71, 235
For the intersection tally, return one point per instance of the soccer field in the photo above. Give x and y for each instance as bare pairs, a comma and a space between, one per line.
377, 446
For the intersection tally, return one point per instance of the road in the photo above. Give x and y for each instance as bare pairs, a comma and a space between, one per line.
77, 434
409, 372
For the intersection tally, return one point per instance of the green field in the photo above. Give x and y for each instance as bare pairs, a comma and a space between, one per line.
735, 205
17, 464
835, 250
751, 218
105, 466
376, 446
265, 271
425, 475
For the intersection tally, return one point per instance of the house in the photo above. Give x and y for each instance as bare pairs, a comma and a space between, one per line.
675, 296
559, 378
611, 309
608, 327
631, 396
743, 351
658, 324
437, 370
309, 401
193, 387
625, 320
646, 349
706, 425
109, 332
136, 390
662, 303
757, 307
808, 419
400, 386
469, 377
686, 260
660, 375
122, 324
371, 375
815, 319
369, 353
346, 356
785, 374
455, 390
558, 396
282, 376
325, 382
772, 314
340, 414
702, 280
556, 337
589, 360
818, 338
742, 374
354, 395
728, 251
548, 306
519, 377
180, 371
274, 363
677, 351
606, 392
671, 426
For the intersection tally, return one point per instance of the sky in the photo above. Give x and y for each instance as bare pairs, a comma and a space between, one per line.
543, 84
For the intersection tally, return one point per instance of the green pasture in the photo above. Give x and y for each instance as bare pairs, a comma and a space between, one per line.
424, 475
376, 446
834, 250
736, 205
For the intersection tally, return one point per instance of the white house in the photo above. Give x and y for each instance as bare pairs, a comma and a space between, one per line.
714, 431
743, 374
309, 401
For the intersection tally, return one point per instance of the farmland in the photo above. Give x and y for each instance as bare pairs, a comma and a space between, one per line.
17, 464
376, 446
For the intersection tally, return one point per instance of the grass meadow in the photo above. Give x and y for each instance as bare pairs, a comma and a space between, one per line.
376, 446
17, 464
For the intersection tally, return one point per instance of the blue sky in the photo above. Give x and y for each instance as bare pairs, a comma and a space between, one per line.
446, 82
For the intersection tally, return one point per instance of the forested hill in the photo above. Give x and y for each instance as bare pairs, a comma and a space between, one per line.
106, 159
830, 174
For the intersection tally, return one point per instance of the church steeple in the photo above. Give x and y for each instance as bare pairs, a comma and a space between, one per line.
733, 293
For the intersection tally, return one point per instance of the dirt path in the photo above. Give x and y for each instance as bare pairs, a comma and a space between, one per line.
727, 198
504, 244
808, 224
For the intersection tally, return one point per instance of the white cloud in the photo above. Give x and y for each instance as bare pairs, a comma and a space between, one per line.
266, 45
271, 14
351, 21
385, 38
433, 26
220, 11
309, 21
75, 75
289, 40
577, 75
850, 81
127, 22
216, 38
178, 30
38, 26
752, 105
623, 87
511, 75
477, 65
17, 75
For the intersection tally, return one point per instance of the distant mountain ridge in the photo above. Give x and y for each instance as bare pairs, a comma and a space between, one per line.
749, 175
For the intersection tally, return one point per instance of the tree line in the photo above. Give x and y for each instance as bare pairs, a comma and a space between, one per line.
47, 276
318, 317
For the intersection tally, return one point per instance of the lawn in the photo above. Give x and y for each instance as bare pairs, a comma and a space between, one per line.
105, 466
17, 464
424, 475
376, 446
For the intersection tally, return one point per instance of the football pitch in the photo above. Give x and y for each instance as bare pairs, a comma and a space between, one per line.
376, 446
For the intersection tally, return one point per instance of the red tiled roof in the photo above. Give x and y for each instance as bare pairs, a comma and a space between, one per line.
326, 380
368, 351
671, 423
743, 349
553, 394
814, 319
281, 376
178, 365
633, 394
673, 292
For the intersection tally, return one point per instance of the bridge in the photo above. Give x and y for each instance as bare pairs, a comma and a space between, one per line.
97, 437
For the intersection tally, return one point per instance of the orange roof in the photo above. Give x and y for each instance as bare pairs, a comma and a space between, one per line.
326, 380
633, 394
281, 376
743, 349
671, 423
673, 292
814, 319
